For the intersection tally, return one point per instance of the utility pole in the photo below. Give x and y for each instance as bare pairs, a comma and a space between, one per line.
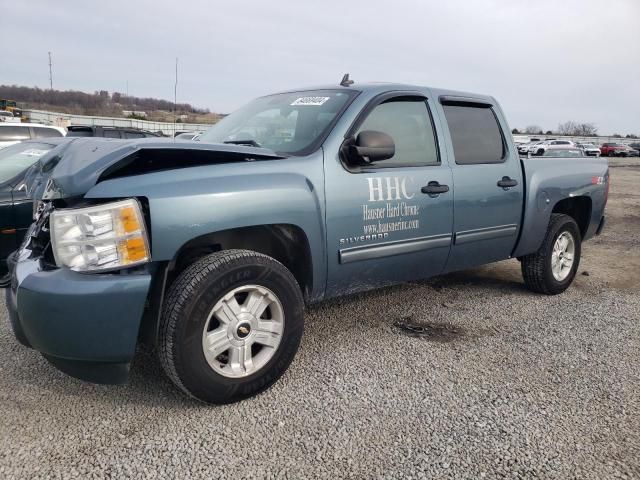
50, 73
175, 100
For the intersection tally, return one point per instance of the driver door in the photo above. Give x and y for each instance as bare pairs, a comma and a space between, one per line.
381, 227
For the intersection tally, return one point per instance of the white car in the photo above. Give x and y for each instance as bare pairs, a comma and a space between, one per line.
526, 147
540, 148
188, 135
589, 149
11, 133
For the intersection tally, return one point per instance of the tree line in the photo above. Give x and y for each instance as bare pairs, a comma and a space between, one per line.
568, 128
99, 102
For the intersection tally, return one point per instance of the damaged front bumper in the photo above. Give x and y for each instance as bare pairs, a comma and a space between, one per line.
84, 324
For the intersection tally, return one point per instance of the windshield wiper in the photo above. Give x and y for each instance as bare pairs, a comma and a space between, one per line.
249, 142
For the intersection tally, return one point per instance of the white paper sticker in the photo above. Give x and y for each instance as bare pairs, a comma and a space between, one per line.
313, 101
32, 152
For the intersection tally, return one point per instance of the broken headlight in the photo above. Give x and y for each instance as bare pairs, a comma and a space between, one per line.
101, 237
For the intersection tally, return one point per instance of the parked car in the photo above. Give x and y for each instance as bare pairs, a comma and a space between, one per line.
615, 150
540, 148
561, 151
188, 135
15, 208
526, 147
108, 132
589, 149
630, 151
11, 133
635, 146
209, 250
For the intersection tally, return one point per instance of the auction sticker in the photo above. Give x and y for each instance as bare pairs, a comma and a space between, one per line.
312, 101
32, 152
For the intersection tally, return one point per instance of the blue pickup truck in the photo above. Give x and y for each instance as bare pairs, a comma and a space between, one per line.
210, 250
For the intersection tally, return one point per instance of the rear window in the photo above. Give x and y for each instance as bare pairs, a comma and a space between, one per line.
563, 152
134, 135
475, 134
108, 133
43, 132
13, 133
79, 132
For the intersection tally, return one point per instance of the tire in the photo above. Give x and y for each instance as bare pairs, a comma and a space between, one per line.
537, 268
540, 152
189, 322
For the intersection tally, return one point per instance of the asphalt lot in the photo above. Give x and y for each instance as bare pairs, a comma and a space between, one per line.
520, 386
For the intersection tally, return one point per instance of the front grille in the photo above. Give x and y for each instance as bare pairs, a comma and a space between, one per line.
38, 238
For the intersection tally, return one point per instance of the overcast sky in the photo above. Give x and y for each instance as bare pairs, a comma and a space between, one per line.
546, 61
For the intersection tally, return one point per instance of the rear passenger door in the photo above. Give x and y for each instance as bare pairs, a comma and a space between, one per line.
488, 183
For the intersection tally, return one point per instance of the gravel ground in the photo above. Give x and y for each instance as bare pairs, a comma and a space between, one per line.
518, 385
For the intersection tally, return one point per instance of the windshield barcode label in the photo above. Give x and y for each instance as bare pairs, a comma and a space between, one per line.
310, 100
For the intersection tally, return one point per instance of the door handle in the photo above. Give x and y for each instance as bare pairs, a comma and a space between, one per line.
507, 182
434, 188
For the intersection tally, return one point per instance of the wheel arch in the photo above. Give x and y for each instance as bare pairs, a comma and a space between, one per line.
579, 208
287, 243
284, 242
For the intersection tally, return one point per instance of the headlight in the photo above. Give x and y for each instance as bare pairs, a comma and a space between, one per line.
106, 236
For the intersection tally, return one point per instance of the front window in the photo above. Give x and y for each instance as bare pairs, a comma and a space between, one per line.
288, 122
17, 158
408, 122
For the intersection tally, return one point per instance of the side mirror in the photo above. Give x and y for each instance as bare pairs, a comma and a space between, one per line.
372, 146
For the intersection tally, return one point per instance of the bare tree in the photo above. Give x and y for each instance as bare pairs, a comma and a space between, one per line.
587, 130
535, 129
567, 128
577, 129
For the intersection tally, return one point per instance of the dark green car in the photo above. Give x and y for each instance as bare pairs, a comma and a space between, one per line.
16, 209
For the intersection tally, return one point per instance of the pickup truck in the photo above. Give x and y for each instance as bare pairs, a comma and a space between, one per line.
210, 250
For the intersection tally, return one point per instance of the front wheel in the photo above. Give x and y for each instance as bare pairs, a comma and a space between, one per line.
231, 325
553, 267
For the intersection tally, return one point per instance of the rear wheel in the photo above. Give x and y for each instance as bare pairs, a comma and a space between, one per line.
231, 325
553, 267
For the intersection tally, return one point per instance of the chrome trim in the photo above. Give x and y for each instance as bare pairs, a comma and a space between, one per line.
468, 236
398, 247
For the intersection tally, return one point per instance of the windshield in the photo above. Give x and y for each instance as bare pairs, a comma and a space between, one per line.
17, 158
287, 122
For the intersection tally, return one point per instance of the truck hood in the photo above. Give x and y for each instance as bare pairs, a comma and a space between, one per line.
72, 168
